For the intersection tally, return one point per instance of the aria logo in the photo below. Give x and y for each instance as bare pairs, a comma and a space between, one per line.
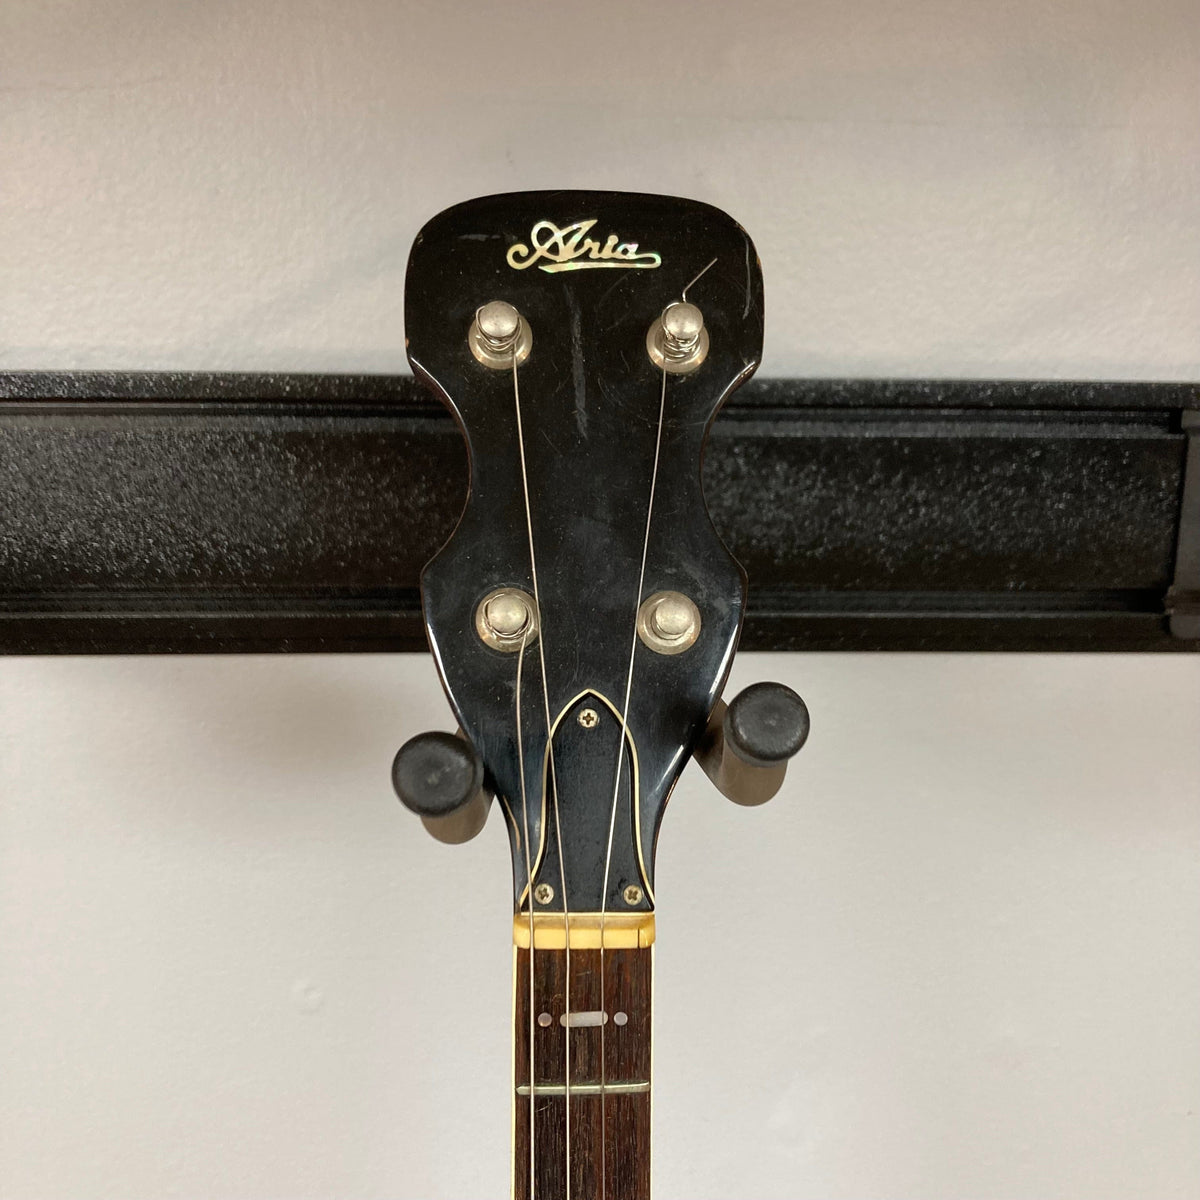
570, 249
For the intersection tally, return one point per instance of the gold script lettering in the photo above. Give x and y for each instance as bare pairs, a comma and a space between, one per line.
570, 249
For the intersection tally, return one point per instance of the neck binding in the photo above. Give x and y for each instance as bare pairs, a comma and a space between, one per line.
609, 1096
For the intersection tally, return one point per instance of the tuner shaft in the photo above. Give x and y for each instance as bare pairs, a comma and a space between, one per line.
677, 342
499, 336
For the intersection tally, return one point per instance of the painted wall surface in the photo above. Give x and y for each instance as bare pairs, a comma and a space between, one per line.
960, 956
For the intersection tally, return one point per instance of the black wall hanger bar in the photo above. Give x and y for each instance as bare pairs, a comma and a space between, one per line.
187, 512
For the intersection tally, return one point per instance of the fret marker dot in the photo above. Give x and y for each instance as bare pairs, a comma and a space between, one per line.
545, 1020
620, 1018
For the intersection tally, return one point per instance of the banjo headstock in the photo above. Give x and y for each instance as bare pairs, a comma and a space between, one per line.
584, 613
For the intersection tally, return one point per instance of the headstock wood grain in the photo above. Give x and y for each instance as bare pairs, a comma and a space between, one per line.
584, 615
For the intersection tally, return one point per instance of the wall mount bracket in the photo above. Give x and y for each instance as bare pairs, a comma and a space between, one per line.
171, 512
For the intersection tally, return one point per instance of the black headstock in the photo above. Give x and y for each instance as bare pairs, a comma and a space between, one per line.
590, 274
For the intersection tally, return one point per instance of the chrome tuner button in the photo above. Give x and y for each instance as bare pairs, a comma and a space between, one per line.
498, 335
678, 341
668, 622
498, 322
506, 619
683, 323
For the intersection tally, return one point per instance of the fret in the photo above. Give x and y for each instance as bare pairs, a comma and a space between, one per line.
619, 1103
586, 1089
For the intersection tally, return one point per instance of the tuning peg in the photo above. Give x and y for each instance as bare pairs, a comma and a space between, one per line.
440, 777
748, 742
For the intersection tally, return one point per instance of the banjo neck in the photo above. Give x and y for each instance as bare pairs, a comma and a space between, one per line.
582, 1057
584, 616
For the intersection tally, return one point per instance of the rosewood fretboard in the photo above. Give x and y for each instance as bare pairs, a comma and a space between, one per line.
609, 1095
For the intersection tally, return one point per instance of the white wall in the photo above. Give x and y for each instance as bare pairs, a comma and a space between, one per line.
958, 958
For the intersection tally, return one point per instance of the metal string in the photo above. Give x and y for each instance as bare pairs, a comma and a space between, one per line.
562, 866
612, 820
529, 892
696, 279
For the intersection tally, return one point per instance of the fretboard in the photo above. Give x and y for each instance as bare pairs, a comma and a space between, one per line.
597, 1066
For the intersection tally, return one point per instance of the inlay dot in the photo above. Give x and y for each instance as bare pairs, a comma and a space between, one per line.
545, 1020
620, 1018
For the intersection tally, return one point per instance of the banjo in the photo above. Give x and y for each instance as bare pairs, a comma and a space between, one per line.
583, 617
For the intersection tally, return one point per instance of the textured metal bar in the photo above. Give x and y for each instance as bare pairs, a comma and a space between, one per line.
1183, 599
171, 512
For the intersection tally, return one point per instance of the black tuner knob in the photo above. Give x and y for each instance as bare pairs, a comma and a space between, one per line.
439, 777
748, 742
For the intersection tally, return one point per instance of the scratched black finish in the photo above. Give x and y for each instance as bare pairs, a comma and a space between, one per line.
185, 512
590, 398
